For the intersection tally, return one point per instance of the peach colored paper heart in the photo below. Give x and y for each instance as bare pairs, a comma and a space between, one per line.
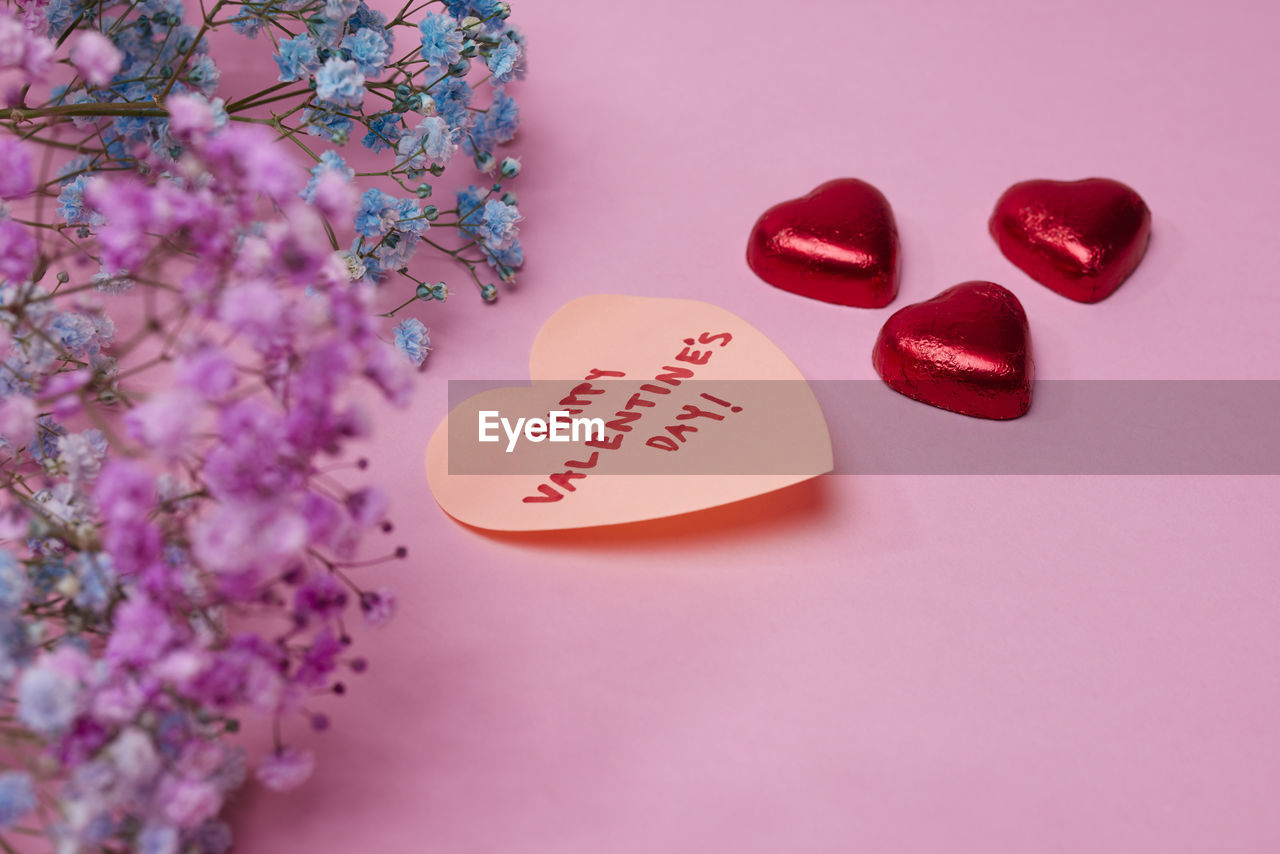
760, 427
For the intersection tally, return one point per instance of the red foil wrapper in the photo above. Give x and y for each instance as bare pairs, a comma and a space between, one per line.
967, 350
1079, 238
838, 244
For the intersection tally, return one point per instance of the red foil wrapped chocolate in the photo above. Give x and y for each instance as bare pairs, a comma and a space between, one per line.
1079, 238
838, 244
967, 350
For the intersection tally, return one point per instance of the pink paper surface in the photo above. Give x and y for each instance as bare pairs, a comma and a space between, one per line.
876, 664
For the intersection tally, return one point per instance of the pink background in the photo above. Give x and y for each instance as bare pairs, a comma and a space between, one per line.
896, 664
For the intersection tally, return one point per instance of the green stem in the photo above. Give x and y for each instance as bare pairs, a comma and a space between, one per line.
18, 114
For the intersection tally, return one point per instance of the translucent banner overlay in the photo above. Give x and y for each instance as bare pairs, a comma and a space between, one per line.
743, 427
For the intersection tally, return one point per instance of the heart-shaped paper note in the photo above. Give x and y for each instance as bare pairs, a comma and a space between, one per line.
838, 244
967, 350
697, 409
1079, 238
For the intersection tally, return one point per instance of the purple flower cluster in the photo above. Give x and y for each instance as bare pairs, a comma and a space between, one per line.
181, 541
177, 549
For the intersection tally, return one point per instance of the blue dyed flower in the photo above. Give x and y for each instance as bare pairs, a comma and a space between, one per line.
47, 699
453, 97
170, 8
477, 141
403, 223
249, 21
334, 127
75, 332
13, 582
504, 61
470, 202
205, 75
48, 432
408, 217
71, 206
340, 82
133, 129
384, 132
60, 15
328, 31
339, 10
441, 39
47, 575
498, 224
15, 647
17, 797
506, 260
503, 118
493, 127
81, 454
369, 18
97, 578
373, 269
480, 8
372, 218
330, 161
158, 839
411, 339
369, 50
298, 58
431, 142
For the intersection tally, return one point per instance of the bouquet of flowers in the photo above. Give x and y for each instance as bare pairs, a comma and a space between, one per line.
191, 301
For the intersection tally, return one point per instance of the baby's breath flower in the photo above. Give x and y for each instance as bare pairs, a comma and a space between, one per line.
162, 483
412, 340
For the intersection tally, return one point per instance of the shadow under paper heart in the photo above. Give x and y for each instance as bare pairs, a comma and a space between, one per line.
805, 503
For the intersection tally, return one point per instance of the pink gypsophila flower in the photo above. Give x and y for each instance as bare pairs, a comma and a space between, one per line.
16, 180
286, 769
96, 58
